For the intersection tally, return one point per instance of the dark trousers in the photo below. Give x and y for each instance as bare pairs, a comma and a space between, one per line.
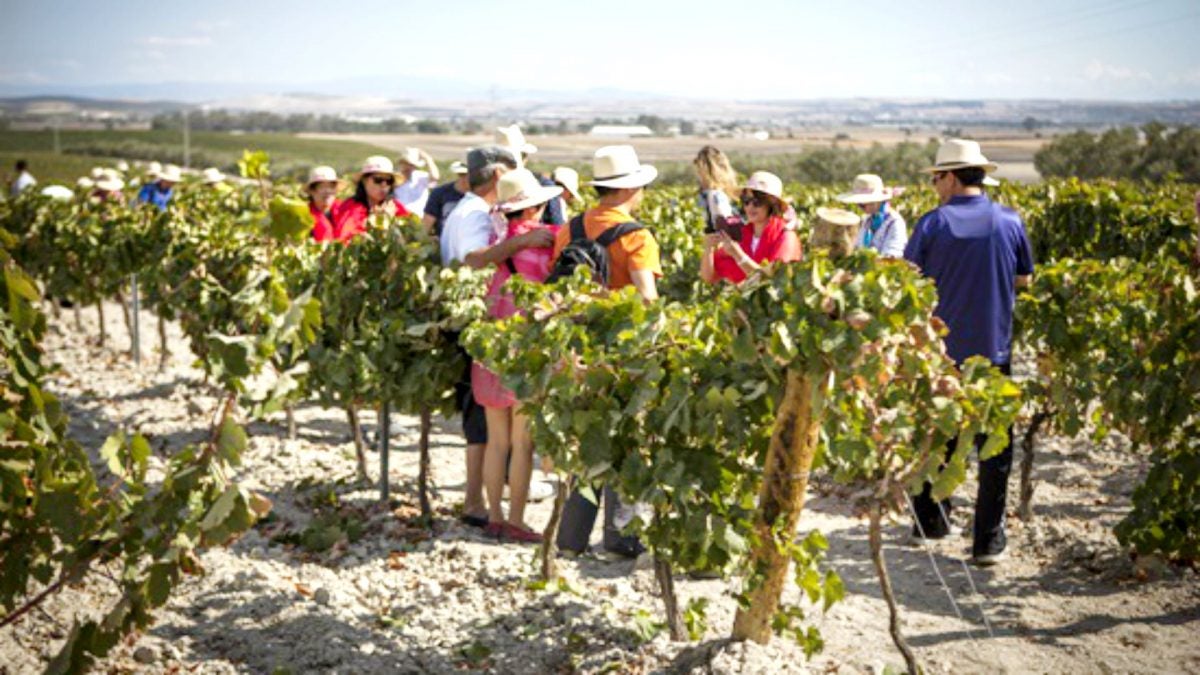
990, 500
579, 517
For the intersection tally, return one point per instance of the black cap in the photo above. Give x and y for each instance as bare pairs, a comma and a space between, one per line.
478, 158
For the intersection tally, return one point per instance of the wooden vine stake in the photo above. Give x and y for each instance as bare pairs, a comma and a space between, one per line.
781, 499
875, 536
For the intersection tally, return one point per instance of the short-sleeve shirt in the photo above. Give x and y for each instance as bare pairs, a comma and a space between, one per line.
350, 218
442, 200
553, 213
635, 251
469, 227
973, 249
153, 193
413, 192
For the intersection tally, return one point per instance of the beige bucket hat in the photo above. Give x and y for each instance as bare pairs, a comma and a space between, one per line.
458, 167
211, 176
519, 189
617, 166
957, 153
867, 188
568, 178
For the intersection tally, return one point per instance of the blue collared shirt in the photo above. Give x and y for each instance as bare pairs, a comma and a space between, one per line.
153, 193
973, 249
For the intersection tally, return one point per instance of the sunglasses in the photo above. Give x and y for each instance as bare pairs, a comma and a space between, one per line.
383, 180
753, 200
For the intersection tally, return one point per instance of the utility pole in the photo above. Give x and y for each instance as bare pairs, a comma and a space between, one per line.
187, 141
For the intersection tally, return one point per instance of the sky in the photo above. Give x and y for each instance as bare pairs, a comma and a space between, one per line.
766, 49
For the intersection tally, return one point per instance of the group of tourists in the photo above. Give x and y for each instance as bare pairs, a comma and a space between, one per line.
496, 213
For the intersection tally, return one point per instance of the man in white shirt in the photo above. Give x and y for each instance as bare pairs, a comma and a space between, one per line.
24, 179
471, 236
420, 172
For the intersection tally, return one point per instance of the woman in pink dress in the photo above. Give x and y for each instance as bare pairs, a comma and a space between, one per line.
522, 199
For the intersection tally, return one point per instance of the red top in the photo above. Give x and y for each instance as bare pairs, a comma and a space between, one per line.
777, 243
322, 223
350, 217
532, 263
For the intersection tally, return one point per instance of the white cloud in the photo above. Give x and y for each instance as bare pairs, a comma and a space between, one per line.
22, 77
181, 41
1097, 71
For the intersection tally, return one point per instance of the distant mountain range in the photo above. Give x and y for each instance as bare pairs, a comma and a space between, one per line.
428, 98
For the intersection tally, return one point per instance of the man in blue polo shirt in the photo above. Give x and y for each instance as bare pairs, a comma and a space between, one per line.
160, 192
977, 254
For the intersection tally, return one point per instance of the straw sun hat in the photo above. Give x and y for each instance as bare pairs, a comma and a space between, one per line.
170, 173
617, 166
110, 181
957, 153
519, 189
766, 183
867, 188
512, 137
377, 164
568, 178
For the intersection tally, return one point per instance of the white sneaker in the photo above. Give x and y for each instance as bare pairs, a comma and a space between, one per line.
989, 559
540, 490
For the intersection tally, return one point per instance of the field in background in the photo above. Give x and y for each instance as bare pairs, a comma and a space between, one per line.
292, 154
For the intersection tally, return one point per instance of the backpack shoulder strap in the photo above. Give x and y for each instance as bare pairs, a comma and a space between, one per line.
578, 233
609, 236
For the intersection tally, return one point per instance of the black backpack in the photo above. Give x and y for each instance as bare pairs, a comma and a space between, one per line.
581, 251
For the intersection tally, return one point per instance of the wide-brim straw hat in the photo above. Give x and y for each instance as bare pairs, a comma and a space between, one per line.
322, 174
170, 173
512, 137
412, 157
617, 166
211, 176
867, 188
568, 178
957, 153
153, 169
110, 181
838, 217
519, 189
378, 164
766, 183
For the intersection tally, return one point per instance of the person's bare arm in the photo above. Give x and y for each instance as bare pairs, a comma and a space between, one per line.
494, 255
428, 221
1024, 280
643, 281
708, 273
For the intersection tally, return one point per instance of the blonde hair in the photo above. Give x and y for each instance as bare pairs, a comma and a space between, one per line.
715, 171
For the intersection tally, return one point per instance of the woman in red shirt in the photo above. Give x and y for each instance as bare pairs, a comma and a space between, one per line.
321, 188
763, 238
372, 195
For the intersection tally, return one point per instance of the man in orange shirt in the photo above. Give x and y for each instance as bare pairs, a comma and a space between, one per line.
633, 259
619, 181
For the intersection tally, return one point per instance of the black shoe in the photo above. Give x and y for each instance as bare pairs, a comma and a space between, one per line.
474, 521
626, 547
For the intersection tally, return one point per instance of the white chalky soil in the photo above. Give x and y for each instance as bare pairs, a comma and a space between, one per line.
396, 600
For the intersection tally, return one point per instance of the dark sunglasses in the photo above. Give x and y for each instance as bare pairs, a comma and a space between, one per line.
751, 199
383, 180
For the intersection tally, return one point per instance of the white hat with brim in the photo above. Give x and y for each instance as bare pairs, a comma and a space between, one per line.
568, 178
766, 183
838, 217
519, 189
458, 167
617, 166
377, 164
322, 174
211, 176
153, 169
867, 188
512, 137
412, 157
110, 181
957, 153
170, 173
57, 192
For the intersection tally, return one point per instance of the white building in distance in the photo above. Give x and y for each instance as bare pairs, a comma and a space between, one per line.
620, 131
